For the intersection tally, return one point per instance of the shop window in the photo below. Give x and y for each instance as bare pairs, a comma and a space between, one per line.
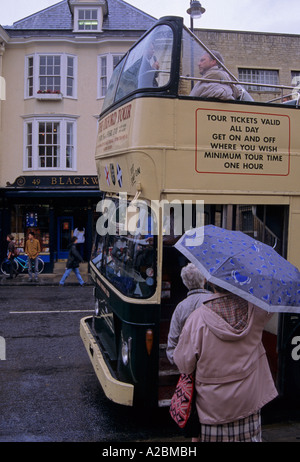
26, 218
50, 144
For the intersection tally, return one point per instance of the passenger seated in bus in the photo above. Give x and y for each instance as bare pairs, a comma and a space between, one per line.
120, 250
195, 282
210, 69
144, 258
148, 70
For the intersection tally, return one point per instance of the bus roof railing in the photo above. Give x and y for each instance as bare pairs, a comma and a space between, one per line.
278, 88
235, 81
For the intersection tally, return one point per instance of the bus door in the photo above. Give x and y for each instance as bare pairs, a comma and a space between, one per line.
173, 291
266, 223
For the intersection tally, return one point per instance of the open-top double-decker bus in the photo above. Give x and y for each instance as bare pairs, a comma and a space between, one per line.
168, 161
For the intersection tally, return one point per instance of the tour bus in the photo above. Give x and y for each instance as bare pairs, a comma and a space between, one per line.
167, 162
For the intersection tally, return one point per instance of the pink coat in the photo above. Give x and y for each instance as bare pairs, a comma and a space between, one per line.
233, 378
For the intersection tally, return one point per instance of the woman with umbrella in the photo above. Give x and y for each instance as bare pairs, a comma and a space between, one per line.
221, 341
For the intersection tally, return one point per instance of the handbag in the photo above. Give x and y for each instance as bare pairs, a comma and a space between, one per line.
182, 399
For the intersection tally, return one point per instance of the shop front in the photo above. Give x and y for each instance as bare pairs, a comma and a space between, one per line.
53, 207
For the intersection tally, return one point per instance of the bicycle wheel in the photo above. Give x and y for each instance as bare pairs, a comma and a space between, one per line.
41, 265
5, 266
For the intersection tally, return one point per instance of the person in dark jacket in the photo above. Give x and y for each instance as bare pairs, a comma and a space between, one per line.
73, 261
11, 255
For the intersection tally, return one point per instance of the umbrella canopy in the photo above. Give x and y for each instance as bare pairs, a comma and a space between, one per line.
243, 266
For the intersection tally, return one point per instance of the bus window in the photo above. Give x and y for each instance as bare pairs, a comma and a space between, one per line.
128, 260
148, 64
97, 251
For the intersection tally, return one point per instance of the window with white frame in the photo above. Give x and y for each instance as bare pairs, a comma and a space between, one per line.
51, 73
70, 76
88, 19
295, 75
103, 75
256, 76
106, 65
50, 144
30, 76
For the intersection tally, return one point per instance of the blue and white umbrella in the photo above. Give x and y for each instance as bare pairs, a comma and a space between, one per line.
243, 266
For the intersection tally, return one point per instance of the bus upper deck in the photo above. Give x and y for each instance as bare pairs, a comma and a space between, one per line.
163, 140
238, 143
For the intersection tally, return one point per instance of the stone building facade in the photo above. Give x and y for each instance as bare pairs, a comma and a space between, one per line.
263, 56
57, 64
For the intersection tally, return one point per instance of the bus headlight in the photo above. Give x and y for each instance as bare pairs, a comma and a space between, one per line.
97, 309
149, 341
125, 353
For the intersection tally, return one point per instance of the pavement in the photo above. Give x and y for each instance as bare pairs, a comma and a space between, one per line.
50, 278
280, 423
281, 432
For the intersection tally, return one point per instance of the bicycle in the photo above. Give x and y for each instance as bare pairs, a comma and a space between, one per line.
20, 265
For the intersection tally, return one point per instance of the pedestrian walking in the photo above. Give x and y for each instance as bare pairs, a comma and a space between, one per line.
32, 250
74, 258
11, 255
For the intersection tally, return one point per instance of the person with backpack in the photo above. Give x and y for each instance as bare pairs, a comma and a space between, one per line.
12, 253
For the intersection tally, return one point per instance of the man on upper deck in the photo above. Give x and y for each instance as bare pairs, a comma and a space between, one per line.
148, 70
210, 69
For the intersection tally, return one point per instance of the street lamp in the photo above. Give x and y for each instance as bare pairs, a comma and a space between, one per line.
195, 11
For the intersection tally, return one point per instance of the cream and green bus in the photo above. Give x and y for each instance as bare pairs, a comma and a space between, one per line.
169, 160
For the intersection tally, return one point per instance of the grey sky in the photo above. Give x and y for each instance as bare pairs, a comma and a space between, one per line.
249, 15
